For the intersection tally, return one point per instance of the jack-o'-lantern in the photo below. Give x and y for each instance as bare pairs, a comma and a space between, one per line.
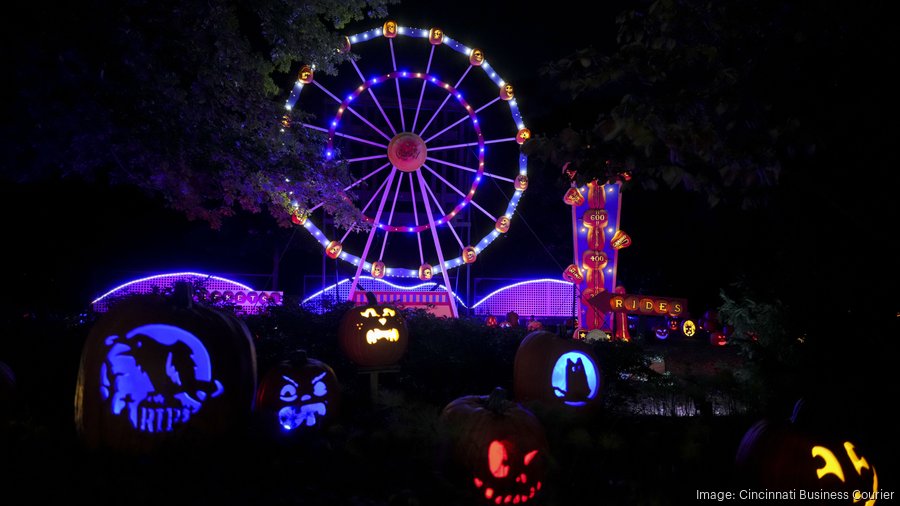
305, 75
334, 248
158, 369
389, 30
717, 339
373, 335
378, 269
494, 446
299, 216
297, 395
502, 224
673, 324
345, 46
425, 272
523, 135
573, 197
476, 57
534, 325
661, 333
507, 92
521, 182
790, 455
689, 328
595, 218
286, 121
556, 371
594, 259
620, 240
573, 274
436, 36
469, 254
490, 321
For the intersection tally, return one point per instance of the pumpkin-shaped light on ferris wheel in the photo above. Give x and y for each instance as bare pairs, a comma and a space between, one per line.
389, 30
436, 36
476, 57
305, 75
378, 269
521, 182
334, 248
469, 254
502, 224
507, 92
523, 135
425, 272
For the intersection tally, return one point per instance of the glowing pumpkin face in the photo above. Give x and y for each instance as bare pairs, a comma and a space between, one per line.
620, 240
334, 248
491, 321
521, 182
299, 216
476, 58
662, 333
306, 74
502, 225
717, 339
425, 272
573, 197
389, 29
378, 269
688, 328
297, 396
498, 447
573, 274
436, 36
469, 254
523, 135
507, 92
373, 335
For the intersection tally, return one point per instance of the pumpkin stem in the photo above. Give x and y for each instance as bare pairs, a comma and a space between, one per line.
183, 294
497, 401
298, 357
373, 300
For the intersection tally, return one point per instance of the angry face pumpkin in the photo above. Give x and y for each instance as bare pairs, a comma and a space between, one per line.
373, 335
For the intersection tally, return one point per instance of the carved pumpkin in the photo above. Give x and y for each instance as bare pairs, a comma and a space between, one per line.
373, 335
334, 248
469, 254
673, 324
378, 269
494, 446
305, 75
425, 272
573, 197
502, 225
689, 328
595, 218
389, 30
620, 240
491, 321
156, 369
523, 135
556, 371
784, 455
594, 259
299, 216
476, 57
661, 333
436, 36
507, 92
298, 395
521, 182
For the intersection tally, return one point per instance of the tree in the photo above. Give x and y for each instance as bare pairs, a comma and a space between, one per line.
182, 99
708, 96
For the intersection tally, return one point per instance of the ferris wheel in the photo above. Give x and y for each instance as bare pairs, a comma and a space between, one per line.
432, 137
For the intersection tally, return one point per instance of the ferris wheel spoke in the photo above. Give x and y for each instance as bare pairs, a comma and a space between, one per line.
355, 183
441, 209
364, 158
422, 93
461, 193
412, 195
437, 242
390, 216
463, 167
375, 194
397, 83
365, 252
372, 94
364, 120
346, 136
438, 110
469, 144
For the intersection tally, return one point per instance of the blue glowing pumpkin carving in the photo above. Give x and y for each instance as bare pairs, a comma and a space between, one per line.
556, 371
158, 368
298, 395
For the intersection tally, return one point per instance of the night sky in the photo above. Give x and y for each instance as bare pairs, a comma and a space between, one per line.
824, 234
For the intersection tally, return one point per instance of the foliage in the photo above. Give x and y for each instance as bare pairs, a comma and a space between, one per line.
687, 97
182, 99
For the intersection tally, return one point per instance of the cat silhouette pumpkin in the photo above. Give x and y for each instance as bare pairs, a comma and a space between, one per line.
556, 371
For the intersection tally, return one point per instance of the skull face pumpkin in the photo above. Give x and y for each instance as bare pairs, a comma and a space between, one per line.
425, 272
476, 58
334, 248
436, 36
389, 29
378, 269
469, 254
507, 92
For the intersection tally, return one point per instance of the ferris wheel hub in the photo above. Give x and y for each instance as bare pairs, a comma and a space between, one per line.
407, 152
